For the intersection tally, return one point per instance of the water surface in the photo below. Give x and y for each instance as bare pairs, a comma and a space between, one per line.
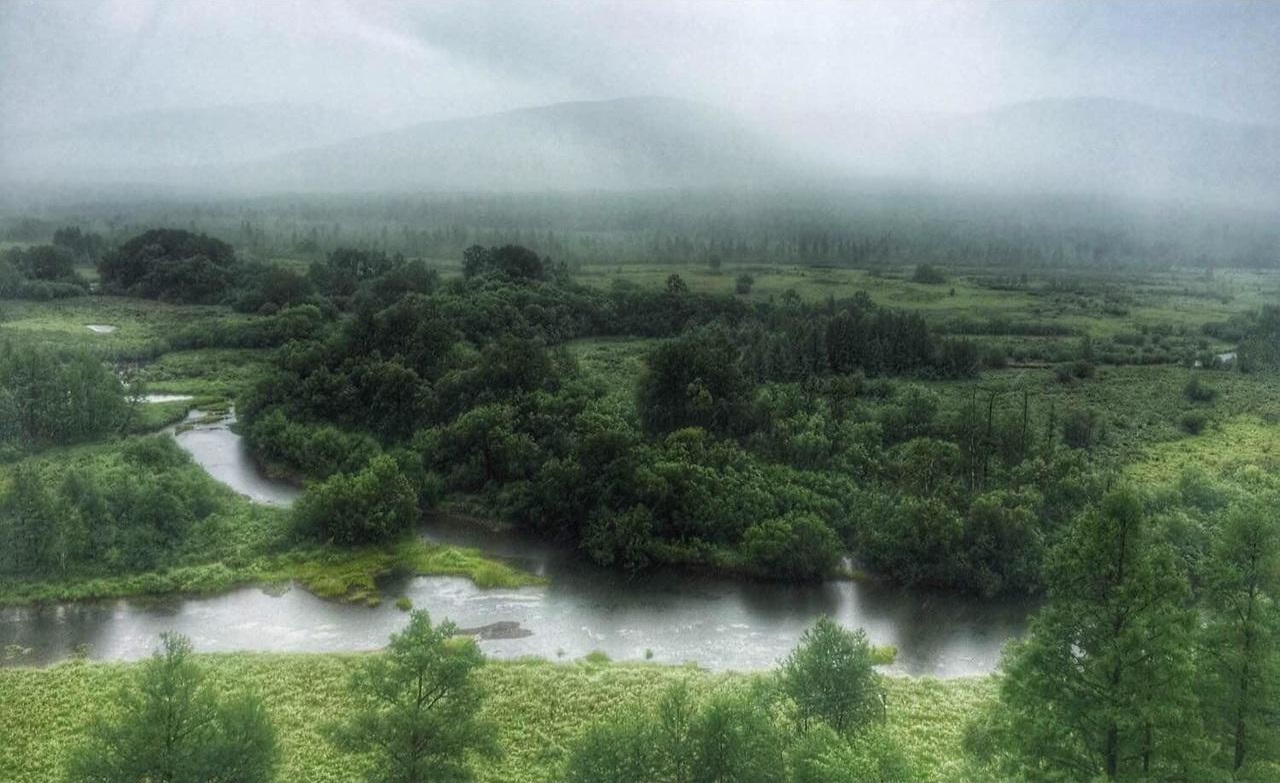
671, 617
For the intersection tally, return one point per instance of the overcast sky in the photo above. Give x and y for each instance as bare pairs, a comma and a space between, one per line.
397, 62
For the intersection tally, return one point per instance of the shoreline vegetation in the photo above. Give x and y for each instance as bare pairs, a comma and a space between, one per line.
330, 573
539, 707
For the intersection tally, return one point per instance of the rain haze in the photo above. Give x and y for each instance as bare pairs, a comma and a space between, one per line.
1157, 100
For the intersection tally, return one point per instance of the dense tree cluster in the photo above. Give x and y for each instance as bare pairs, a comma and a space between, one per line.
756, 448
40, 272
122, 511
50, 397
1154, 656
170, 264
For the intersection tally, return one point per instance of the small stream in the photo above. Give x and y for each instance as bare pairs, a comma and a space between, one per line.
671, 617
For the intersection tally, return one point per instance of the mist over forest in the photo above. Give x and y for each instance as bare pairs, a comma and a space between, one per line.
631, 391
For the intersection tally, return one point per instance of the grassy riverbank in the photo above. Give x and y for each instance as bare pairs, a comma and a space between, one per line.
539, 708
201, 537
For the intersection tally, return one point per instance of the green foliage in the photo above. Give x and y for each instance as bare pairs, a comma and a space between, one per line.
171, 726
556, 703
694, 381
1197, 390
873, 755
726, 736
47, 397
126, 509
1102, 685
799, 547
928, 275
374, 505
1081, 428
1193, 422
830, 678
416, 714
513, 261
170, 264
1239, 645
41, 272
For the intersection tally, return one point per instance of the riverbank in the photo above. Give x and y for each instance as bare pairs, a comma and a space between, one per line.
539, 708
349, 575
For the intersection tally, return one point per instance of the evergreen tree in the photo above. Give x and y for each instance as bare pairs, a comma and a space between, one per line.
171, 727
417, 714
1101, 686
1240, 642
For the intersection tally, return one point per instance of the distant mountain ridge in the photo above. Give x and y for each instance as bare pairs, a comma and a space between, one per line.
143, 145
1078, 146
630, 143
1081, 145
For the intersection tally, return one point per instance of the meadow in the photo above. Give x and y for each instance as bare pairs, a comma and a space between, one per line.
539, 709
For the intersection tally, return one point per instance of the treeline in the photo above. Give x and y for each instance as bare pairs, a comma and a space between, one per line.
775, 469
823, 227
121, 510
1156, 655
47, 397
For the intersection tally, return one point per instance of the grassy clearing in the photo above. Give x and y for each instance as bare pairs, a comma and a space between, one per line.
539, 709
1223, 450
220, 373
142, 326
1084, 302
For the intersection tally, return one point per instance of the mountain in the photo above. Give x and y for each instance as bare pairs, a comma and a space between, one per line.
1084, 146
151, 145
632, 143
1087, 146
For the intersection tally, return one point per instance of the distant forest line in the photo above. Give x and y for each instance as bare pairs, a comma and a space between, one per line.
846, 228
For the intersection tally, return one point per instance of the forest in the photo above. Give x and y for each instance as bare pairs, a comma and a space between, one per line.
1095, 441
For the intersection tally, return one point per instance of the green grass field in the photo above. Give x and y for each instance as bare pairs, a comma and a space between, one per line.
1149, 299
142, 326
539, 709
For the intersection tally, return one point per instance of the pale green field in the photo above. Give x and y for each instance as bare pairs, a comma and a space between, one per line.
539, 708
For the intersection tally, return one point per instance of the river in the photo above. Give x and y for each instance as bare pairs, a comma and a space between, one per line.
672, 617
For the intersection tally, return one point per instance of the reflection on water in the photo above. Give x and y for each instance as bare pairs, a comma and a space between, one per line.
718, 622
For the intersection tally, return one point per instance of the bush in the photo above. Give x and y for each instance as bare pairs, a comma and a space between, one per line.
743, 284
1193, 422
170, 264
1198, 391
1080, 428
374, 505
800, 547
929, 275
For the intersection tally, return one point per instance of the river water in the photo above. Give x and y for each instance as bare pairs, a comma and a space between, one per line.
671, 617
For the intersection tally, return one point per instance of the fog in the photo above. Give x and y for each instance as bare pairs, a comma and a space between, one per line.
1154, 100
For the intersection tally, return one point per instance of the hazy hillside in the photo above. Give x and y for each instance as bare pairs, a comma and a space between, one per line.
151, 146
634, 143
1078, 146
1081, 146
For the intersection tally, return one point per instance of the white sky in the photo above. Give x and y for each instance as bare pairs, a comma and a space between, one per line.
396, 62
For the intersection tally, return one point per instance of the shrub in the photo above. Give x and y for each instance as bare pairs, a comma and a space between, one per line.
800, 547
743, 284
1080, 428
1198, 391
374, 505
929, 275
1193, 422
831, 678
